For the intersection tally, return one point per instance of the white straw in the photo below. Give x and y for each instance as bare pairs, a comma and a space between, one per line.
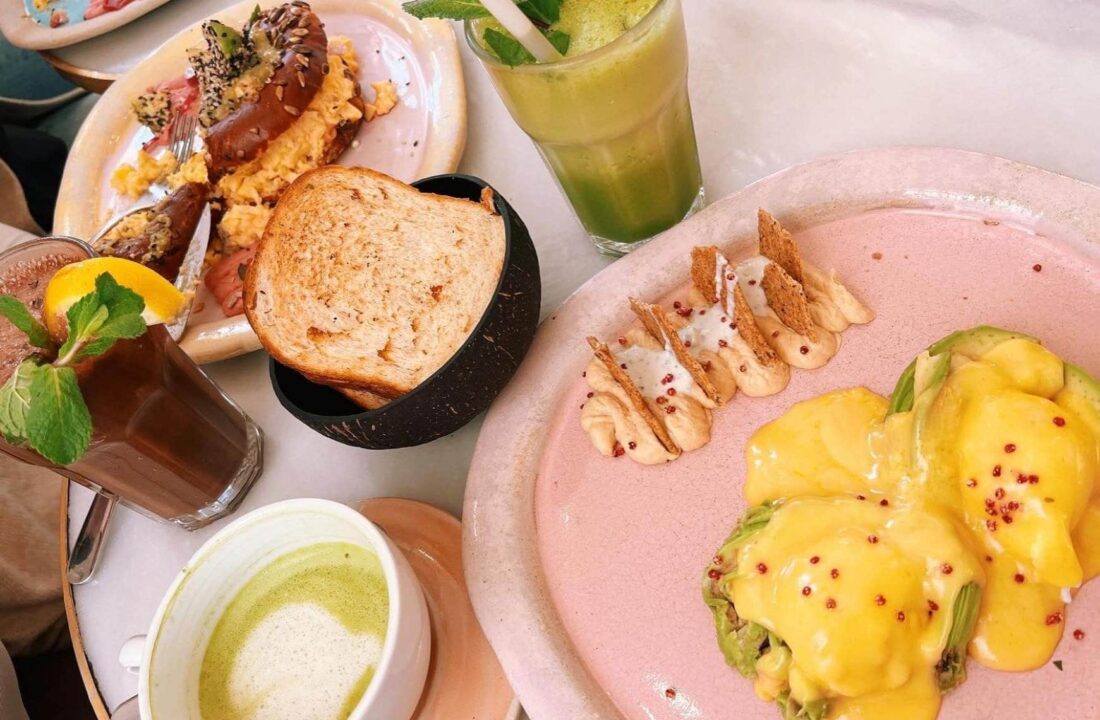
522, 29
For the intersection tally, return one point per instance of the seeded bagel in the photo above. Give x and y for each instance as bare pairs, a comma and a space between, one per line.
159, 238
363, 283
296, 31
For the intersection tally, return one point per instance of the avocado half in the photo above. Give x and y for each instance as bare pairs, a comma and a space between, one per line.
467, 383
743, 642
931, 367
972, 343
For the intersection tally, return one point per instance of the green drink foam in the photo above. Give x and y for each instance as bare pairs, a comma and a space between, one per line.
594, 23
300, 640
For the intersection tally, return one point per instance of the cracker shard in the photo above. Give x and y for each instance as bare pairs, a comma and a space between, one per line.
603, 354
656, 323
704, 263
777, 245
787, 298
750, 332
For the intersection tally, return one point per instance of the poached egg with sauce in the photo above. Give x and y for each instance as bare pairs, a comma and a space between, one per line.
889, 538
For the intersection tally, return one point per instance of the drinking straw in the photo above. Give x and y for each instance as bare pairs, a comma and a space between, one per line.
514, 21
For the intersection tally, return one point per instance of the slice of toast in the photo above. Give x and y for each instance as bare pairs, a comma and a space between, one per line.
363, 282
787, 298
603, 354
364, 398
777, 245
656, 323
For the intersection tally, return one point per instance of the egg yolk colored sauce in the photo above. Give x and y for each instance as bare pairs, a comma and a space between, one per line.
880, 520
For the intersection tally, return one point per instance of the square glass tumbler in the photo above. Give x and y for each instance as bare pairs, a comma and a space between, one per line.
614, 125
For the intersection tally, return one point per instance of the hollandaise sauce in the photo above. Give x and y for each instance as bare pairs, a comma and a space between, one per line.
889, 538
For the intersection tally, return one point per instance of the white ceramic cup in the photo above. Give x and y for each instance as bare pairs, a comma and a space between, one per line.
168, 659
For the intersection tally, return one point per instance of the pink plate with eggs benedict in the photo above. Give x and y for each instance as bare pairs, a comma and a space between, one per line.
628, 582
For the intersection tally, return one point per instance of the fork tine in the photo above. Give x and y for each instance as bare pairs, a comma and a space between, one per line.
189, 140
174, 134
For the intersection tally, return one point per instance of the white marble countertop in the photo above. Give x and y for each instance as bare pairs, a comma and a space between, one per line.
773, 84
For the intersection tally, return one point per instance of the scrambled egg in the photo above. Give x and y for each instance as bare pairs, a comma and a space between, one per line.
191, 171
242, 225
248, 194
134, 180
250, 191
301, 147
385, 99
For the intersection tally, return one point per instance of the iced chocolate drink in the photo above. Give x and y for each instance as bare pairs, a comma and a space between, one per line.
165, 440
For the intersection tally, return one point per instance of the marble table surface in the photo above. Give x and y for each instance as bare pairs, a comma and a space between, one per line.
773, 84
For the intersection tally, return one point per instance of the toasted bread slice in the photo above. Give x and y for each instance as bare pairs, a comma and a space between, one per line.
603, 354
777, 245
364, 283
364, 399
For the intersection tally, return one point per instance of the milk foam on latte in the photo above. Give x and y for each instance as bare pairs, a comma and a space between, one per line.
300, 641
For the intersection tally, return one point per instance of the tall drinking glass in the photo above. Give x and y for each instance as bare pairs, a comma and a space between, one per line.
614, 125
166, 441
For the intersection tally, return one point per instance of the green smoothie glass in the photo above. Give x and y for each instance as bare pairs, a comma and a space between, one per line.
613, 123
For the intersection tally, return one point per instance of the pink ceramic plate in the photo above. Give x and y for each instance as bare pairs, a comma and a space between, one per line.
586, 571
423, 136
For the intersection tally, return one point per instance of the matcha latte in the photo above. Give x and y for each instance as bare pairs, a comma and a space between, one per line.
301, 640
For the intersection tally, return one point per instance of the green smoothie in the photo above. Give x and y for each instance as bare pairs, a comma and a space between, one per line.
612, 119
300, 640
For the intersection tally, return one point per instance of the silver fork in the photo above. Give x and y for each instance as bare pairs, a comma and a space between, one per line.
181, 139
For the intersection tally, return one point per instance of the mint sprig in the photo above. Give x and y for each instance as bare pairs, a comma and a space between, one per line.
447, 9
41, 405
21, 318
507, 48
15, 401
543, 13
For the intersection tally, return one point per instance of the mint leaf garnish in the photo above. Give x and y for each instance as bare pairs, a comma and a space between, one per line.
41, 404
59, 426
119, 300
86, 317
21, 318
543, 13
15, 400
447, 9
108, 313
546, 12
507, 48
558, 39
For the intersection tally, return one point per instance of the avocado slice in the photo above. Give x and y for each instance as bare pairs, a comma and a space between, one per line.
791, 710
1081, 394
972, 343
951, 669
742, 642
929, 374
